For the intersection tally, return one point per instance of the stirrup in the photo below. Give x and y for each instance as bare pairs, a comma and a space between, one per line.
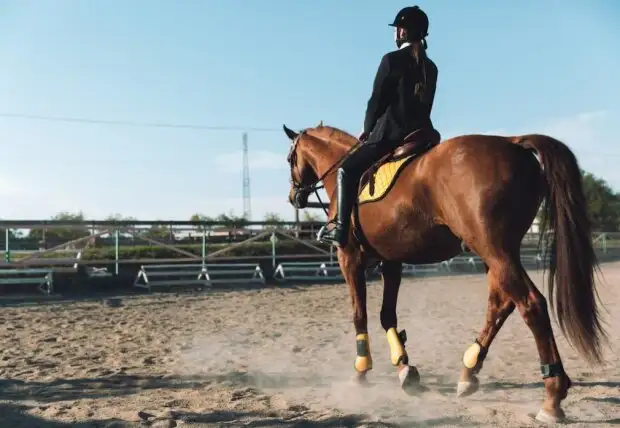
325, 230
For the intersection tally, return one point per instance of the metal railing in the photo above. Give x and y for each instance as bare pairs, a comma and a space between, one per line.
118, 235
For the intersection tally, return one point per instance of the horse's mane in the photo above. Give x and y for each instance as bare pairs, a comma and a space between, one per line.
331, 133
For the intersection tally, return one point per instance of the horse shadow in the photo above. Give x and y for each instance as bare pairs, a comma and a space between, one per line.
16, 416
91, 388
16, 398
443, 385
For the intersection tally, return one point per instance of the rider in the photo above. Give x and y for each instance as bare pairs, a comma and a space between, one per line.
400, 103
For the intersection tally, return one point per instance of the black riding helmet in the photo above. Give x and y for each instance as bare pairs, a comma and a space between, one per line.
414, 21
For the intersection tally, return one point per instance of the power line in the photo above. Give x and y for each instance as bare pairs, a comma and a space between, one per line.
133, 124
168, 125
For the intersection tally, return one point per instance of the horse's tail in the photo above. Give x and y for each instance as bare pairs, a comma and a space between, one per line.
572, 258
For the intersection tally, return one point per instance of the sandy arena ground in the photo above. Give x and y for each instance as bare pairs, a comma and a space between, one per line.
282, 357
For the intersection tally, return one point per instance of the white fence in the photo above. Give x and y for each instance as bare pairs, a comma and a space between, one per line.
198, 275
319, 271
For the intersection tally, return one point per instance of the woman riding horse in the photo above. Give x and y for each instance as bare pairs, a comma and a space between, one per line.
400, 103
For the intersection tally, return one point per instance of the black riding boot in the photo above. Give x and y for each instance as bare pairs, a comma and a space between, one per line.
339, 232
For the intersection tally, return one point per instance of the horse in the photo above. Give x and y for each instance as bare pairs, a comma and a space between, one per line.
481, 192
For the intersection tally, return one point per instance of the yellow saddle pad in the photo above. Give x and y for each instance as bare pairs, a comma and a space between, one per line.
384, 177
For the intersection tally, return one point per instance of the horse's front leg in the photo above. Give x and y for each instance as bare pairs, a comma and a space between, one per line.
408, 375
353, 269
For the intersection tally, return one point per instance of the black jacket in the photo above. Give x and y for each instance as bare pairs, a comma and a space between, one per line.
393, 108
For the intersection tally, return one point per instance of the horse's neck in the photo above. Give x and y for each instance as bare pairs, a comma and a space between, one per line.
324, 156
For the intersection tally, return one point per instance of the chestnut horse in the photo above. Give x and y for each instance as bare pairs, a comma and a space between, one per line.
482, 191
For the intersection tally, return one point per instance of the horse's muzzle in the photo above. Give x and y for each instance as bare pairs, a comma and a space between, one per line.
299, 198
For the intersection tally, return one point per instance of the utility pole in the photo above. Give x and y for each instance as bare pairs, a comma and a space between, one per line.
247, 200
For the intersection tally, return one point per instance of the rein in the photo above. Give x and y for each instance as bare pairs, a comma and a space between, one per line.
313, 187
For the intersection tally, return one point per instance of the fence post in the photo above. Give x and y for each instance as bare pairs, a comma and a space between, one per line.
7, 246
273, 240
116, 250
204, 247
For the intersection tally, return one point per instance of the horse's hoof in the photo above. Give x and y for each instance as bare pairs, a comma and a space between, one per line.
549, 419
360, 379
464, 389
409, 378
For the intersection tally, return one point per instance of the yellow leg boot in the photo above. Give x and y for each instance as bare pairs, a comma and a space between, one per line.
472, 363
408, 375
363, 361
398, 355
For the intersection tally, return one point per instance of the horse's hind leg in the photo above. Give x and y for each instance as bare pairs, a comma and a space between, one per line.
512, 279
533, 308
500, 306
408, 375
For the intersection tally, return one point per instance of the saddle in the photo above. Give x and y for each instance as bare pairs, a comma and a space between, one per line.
414, 144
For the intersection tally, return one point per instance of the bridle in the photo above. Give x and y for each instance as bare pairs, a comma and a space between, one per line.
300, 188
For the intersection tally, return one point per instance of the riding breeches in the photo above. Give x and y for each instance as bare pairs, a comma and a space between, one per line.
366, 154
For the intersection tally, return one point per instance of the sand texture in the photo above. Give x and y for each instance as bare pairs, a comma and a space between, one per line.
283, 356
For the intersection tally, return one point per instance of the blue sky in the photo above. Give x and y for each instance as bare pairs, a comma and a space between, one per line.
507, 67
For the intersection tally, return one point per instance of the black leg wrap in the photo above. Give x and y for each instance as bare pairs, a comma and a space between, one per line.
402, 336
362, 348
551, 370
483, 352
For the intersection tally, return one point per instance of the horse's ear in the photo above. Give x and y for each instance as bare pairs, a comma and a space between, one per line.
289, 132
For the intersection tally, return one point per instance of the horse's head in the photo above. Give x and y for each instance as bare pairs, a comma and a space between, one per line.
303, 175
315, 153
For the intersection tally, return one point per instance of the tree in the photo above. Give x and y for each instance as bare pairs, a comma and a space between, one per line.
119, 217
273, 218
312, 217
231, 221
603, 203
124, 237
198, 218
13, 234
158, 233
59, 235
